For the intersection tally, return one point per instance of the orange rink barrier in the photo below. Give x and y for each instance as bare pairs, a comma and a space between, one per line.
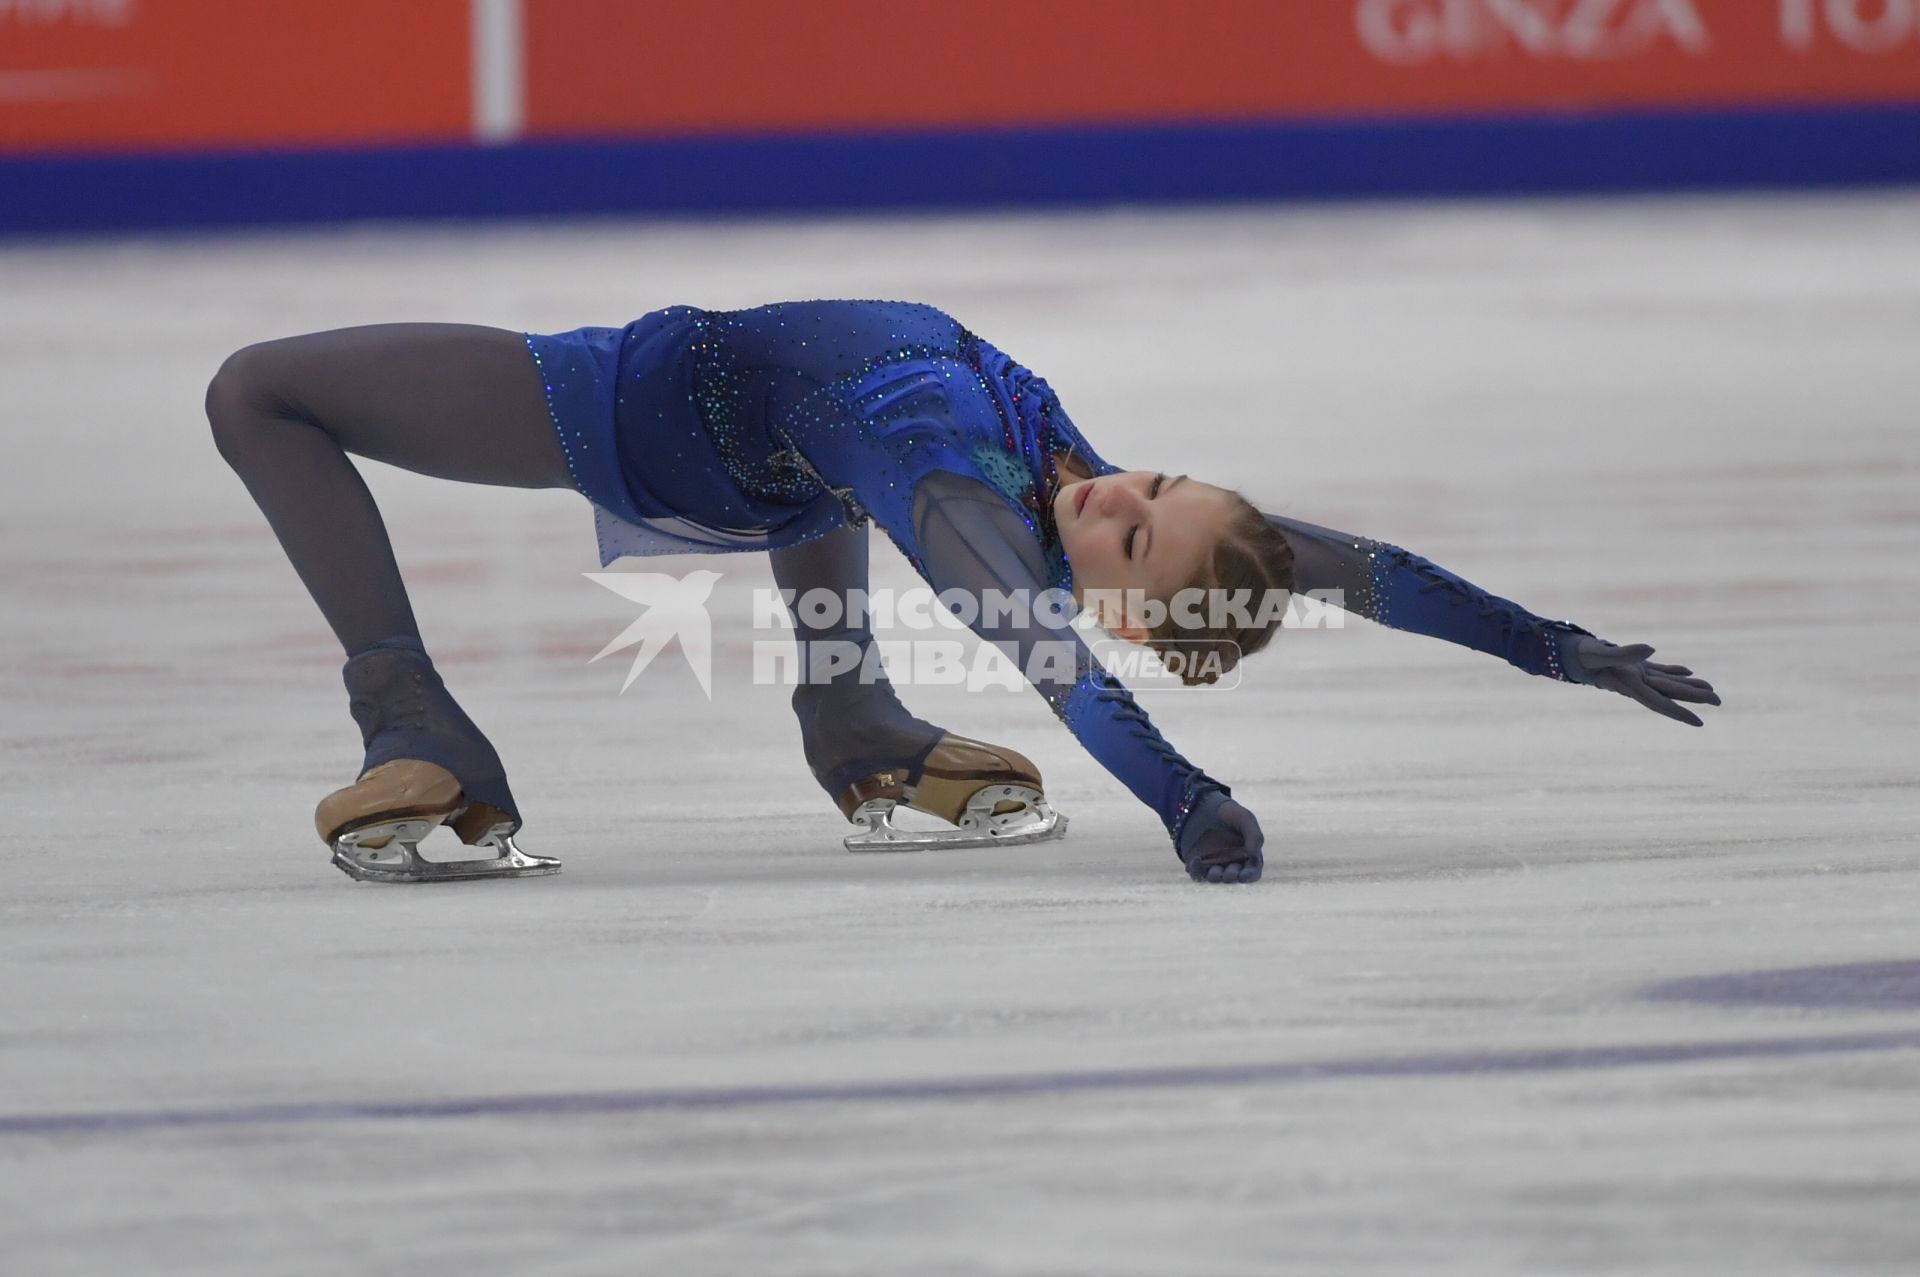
179, 74
608, 66
118, 113
197, 74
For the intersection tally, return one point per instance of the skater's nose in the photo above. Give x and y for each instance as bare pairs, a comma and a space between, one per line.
1120, 500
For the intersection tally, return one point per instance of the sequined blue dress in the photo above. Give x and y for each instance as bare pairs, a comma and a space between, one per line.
700, 431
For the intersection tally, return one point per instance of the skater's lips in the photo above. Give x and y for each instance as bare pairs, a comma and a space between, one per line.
1080, 497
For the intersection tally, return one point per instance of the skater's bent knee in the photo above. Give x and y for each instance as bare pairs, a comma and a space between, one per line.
240, 399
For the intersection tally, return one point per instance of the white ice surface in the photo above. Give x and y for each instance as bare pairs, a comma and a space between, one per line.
1691, 423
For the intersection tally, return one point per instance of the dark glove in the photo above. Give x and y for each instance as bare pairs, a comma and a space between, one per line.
1221, 841
1627, 670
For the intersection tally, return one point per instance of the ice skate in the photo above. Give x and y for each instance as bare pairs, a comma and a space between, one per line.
375, 827
872, 757
426, 765
990, 795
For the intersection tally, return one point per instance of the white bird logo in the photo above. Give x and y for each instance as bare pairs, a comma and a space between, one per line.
676, 607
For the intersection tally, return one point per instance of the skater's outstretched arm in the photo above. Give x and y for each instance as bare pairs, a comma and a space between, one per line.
1397, 588
970, 539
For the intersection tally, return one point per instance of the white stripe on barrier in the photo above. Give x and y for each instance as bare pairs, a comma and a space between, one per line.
499, 70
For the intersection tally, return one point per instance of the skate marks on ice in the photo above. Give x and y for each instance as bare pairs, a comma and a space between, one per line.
1012, 1086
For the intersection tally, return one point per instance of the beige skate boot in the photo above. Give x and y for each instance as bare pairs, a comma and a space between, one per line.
376, 824
991, 795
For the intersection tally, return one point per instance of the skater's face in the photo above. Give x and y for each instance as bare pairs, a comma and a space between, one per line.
1138, 530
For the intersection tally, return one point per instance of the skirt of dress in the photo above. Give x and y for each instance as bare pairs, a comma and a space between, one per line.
624, 403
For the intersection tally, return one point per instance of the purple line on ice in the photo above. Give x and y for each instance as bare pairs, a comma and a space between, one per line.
924, 1090
1860, 986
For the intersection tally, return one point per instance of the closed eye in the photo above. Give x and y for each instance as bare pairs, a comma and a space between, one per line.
1152, 492
1134, 531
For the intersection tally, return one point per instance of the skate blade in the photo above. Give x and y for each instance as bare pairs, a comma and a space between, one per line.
399, 858
1033, 820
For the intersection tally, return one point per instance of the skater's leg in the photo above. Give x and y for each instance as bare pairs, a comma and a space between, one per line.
851, 722
453, 401
868, 752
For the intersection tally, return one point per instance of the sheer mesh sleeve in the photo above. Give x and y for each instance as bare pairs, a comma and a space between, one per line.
1397, 588
971, 539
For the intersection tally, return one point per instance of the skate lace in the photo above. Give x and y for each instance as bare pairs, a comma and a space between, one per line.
382, 707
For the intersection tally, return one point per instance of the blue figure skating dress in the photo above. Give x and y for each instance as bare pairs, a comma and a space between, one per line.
702, 431
696, 431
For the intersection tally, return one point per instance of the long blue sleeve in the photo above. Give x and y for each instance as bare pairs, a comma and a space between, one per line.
902, 416
970, 539
1398, 588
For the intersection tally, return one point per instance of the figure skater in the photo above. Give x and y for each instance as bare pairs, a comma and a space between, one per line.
787, 428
